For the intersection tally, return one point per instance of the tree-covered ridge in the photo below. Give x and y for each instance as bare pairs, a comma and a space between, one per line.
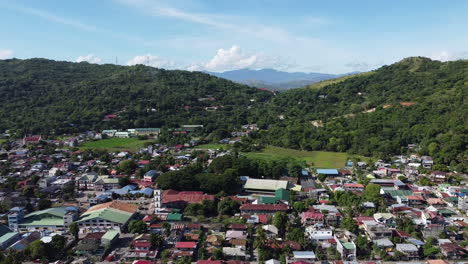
416, 101
44, 96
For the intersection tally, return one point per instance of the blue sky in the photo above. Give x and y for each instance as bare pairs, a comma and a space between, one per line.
219, 35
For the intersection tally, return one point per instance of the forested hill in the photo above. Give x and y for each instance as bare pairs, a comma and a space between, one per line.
378, 113
413, 101
45, 96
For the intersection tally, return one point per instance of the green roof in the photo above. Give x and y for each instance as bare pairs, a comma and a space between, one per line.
48, 217
395, 193
44, 221
174, 217
446, 212
108, 180
268, 200
7, 236
111, 234
109, 214
348, 245
282, 194
4, 229
55, 211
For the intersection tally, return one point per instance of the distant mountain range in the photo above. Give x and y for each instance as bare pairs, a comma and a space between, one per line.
274, 79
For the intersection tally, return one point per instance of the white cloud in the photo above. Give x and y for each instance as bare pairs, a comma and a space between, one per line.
89, 58
449, 56
152, 60
5, 54
235, 58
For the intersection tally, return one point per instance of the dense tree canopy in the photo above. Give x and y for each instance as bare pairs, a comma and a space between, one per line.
375, 114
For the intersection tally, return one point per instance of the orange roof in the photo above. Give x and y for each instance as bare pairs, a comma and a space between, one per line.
434, 201
130, 208
415, 197
355, 185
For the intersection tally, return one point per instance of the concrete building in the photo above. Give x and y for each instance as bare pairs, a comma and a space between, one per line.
56, 218
103, 217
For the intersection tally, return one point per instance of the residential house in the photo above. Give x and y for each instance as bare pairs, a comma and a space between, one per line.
356, 187
271, 231
438, 176
141, 248
233, 234
435, 202
184, 249
387, 219
32, 140
384, 244
312, 218
410, 251
432, 230
427, 162
452, 251
347, 248
307, 256
375, 230
319, 234
331, 213
86, 181
234, 253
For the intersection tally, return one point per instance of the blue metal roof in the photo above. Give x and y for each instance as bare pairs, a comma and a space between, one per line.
327, 171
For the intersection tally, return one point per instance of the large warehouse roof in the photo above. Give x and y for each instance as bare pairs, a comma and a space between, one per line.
268, 185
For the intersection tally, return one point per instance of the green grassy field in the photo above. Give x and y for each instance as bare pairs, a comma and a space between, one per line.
316, 159
212, 146
115, 144
2, 140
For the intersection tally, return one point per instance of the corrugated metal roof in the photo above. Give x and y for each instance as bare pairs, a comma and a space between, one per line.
262, 184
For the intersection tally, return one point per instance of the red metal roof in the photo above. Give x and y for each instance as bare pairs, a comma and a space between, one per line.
141, 244
263, 219
264, 207
189, 197
186, 245
209, 261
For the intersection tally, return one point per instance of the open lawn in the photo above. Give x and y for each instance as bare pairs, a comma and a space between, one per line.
116, 144
2, 140
212, 146
316, 159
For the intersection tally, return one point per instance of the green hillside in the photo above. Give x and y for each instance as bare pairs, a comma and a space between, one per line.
413, 101
51, 97
379, 113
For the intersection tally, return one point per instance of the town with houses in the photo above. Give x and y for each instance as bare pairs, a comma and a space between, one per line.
110, 208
